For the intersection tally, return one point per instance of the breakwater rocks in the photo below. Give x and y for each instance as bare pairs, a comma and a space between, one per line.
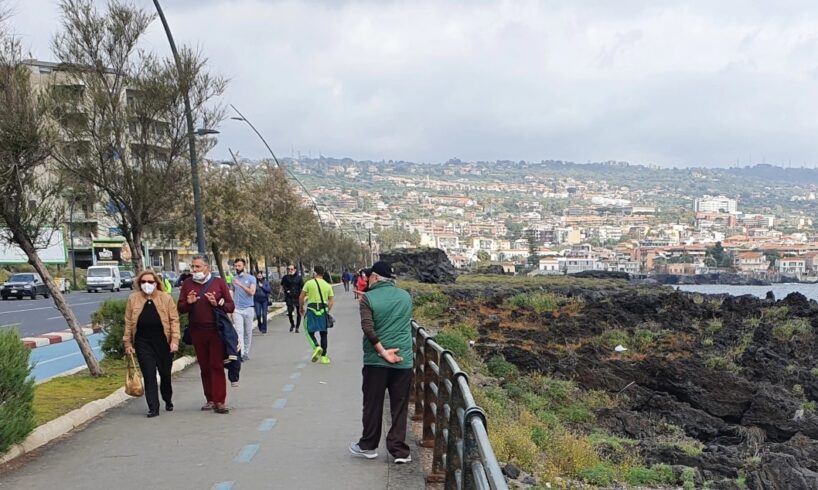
734, 377
725, 278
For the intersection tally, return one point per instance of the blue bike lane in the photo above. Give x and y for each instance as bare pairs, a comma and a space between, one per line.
55, 359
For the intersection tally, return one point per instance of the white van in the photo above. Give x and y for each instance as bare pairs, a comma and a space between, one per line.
101, 277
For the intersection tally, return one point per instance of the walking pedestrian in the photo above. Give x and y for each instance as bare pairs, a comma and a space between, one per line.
386, 320
152, 332
244, 290
292, 284
200, 297
361, 283
316, 301
345, 278
261, 300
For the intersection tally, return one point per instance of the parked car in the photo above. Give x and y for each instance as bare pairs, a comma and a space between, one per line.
24, 284
101, 277
126, 279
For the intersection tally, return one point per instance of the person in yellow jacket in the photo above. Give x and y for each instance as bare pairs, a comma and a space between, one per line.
168, 287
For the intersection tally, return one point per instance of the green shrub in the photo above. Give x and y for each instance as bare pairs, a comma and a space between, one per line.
814, 372
656, 475
111, 317
601, 474
453, 341
16, 390
714, 325
688, 478
501, 368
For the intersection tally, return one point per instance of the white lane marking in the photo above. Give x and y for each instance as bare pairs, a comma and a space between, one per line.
54, 317
48, 308
53, 359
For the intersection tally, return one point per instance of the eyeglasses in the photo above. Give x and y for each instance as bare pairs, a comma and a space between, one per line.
147, 282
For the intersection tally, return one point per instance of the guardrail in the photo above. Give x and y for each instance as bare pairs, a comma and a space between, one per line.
452, 423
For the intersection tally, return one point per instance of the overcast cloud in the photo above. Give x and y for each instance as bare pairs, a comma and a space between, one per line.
664, 82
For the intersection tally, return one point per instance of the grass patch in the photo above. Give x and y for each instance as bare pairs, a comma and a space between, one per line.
775, 313
660, 474
714, 326
719, 363
537, 301
791, 329
64, 394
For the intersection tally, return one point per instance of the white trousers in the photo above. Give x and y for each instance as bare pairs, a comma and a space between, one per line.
243, 322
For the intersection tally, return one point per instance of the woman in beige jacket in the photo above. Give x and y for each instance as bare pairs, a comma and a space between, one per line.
152, 332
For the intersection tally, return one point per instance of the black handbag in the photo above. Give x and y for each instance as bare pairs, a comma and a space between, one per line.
330, 318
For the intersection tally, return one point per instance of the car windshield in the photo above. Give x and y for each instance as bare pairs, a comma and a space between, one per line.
99, 272
125, 274
22, 278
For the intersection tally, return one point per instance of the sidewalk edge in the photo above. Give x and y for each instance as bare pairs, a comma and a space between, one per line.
64, 424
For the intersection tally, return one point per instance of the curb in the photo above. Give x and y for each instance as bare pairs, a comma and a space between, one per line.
66, 423
56, 337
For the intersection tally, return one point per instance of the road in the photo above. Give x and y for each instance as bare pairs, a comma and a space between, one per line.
36, 317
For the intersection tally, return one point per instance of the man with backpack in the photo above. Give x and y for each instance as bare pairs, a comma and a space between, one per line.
316, 301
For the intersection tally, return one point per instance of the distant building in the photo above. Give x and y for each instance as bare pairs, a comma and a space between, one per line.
715, 204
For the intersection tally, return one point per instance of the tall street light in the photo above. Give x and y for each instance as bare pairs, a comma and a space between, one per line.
191, 137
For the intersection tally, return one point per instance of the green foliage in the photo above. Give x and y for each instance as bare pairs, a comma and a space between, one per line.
814, 372
775, 313
600, 438
797, 390
111, 317
714, 326
707, 342
501, 368
453, 341
16, 390
602, 474
809, 406
688, 478
537, 301
612, 338
792, 328
656, 475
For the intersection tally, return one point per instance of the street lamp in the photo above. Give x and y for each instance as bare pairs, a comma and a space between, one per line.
205, 131
194, 169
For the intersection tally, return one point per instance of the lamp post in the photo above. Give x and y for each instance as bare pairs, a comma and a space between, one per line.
194, 169
71, 235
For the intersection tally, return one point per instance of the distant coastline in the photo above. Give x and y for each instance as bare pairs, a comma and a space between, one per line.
719, 278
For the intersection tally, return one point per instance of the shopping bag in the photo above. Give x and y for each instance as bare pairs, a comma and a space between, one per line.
134, 385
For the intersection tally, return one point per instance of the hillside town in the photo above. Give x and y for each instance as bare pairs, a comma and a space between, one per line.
527, 220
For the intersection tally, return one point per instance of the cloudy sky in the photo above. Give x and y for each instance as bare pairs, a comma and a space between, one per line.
674, 83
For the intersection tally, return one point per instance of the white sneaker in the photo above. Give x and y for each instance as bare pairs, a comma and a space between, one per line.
407, 459
362, 453
234, 384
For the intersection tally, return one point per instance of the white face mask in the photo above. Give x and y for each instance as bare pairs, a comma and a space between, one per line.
198, 276
148, 288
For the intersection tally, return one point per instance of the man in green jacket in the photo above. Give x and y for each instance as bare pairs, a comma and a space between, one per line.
386, 319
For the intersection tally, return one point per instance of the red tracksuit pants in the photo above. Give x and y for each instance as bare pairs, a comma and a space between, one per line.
210, 354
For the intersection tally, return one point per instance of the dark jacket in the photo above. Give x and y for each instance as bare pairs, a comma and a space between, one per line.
292, 286
228, 334
262, 295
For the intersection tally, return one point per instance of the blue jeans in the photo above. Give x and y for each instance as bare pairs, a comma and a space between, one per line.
261, 316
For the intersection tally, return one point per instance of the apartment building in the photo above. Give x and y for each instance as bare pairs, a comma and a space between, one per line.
715, 204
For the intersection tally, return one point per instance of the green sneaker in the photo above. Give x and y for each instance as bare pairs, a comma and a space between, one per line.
323, 360
316, 353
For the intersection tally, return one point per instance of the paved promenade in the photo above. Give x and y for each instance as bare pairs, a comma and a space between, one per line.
289, 427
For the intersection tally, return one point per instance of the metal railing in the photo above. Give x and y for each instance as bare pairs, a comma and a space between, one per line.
452, 423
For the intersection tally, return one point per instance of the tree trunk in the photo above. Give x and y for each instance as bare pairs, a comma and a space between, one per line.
134, 239
59, 302
217, 257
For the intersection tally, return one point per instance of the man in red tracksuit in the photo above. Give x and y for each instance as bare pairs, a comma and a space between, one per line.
202, 321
